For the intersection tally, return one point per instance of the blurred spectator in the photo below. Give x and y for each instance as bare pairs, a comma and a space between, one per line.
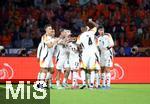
2, 52
127, 49
139, 35
116, 51
39, 3
94, 1
27, 42
61, 2
36, 36
16, 38
147, 52
121, 51
135, 51
6, 39
23, 53
126, 20
42, 20
77, 23
130, 33
119, 1
83, 2
118, 34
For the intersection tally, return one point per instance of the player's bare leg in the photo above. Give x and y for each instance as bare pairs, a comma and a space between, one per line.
66, 74
97, 76
83, 77
42, 77
74, 79
49, 77
87, 72
108, 76
39, 75
92, 78
58, 78
103, 77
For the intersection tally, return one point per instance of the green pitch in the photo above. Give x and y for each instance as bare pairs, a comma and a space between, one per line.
118, 94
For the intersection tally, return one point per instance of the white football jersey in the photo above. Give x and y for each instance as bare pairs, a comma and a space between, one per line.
48, 39
87, 40
73, 48
45, 54
61, 51
105, 41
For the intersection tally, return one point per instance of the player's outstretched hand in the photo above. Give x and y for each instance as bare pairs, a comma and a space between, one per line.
90, 20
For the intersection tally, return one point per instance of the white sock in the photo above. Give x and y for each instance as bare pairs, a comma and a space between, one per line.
74, 79
108, 76
92, 78
39, 75
49, 78
83, 77
57, 83
88, 78
97, 76
50, 83
103, 79
43, 76
64, 80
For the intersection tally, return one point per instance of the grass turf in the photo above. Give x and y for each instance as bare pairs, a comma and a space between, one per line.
118, 94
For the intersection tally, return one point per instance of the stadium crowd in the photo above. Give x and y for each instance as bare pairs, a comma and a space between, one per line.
22, 22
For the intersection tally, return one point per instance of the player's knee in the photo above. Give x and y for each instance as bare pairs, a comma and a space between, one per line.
102, 70
107, 69
52, 71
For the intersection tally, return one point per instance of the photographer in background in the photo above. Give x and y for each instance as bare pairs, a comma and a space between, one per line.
2, 51
147, 53
135, 51
23, 53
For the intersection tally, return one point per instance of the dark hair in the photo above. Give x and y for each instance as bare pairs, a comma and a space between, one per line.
100, 27
61, 29
47, 26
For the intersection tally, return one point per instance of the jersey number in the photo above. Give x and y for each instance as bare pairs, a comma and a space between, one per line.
90, 41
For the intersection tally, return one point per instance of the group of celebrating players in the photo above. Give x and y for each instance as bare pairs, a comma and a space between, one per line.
89, 54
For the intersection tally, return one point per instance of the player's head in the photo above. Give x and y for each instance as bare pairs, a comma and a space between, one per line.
84, 28
68, 32
100, 30
65, 32
49, 30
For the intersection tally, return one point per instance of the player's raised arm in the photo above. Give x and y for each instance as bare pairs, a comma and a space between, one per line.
94, 24
39, 50
51, 44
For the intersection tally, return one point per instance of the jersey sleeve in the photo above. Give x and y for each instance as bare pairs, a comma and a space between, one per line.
94, 30
111, 42
43, 39
39, 49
